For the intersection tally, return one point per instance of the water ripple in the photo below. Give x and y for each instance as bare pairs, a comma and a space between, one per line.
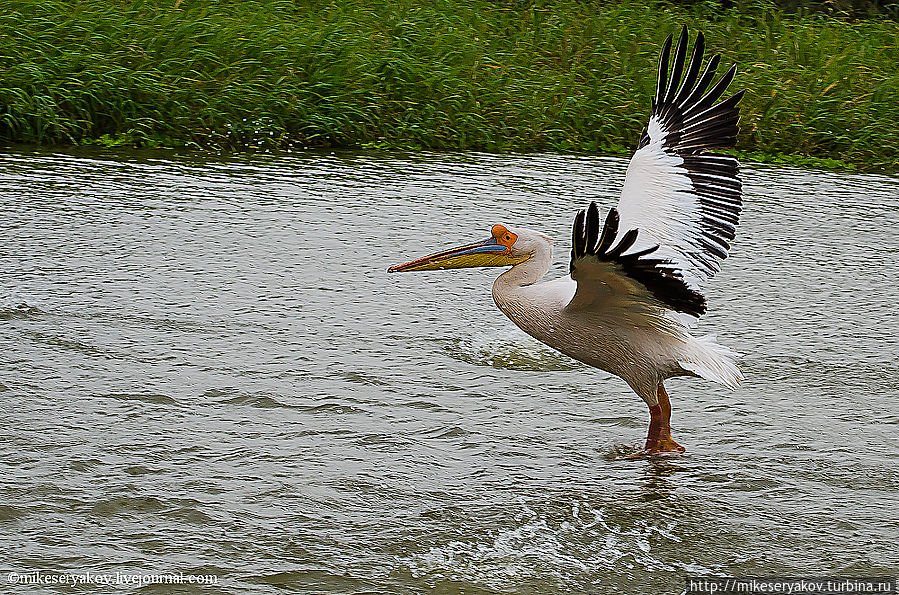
206, 369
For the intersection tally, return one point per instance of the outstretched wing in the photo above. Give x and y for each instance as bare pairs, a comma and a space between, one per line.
603, 268
680, 198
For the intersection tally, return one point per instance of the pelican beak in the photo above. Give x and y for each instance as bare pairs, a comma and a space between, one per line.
488, 253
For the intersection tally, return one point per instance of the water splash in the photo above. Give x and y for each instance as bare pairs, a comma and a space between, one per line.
574, 552
508, 350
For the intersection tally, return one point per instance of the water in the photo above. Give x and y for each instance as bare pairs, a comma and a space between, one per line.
206, 369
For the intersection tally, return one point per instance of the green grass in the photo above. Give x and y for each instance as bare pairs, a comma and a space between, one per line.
494, 75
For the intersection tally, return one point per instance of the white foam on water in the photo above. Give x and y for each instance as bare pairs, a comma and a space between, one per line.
507, 348
586, 545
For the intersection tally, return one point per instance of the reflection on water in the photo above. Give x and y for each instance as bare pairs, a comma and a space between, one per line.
207, 370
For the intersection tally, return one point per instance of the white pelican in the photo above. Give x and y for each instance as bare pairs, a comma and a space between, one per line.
634, 285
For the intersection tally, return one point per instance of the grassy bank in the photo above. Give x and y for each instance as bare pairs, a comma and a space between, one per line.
495, 75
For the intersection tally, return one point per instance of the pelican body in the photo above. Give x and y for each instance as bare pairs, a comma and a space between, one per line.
634, 285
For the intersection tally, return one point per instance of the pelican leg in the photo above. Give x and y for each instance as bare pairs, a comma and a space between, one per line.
665, 443
658, 439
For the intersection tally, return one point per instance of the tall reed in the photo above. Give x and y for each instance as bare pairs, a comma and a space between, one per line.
496, 75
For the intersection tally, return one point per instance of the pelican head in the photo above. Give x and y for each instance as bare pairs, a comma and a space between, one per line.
504, 247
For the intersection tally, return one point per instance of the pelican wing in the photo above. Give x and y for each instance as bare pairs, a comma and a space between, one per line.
607, 272
682, 200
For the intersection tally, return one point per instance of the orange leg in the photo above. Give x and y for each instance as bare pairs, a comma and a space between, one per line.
658, 439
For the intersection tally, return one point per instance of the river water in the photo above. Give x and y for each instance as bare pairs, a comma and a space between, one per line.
206, 369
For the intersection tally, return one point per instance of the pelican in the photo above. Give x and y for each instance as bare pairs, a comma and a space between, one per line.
634, 286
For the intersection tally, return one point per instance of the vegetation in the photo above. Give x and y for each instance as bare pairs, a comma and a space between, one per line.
495, 75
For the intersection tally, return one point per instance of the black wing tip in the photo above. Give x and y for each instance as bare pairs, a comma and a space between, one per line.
663, 72
578, 242
681, 100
